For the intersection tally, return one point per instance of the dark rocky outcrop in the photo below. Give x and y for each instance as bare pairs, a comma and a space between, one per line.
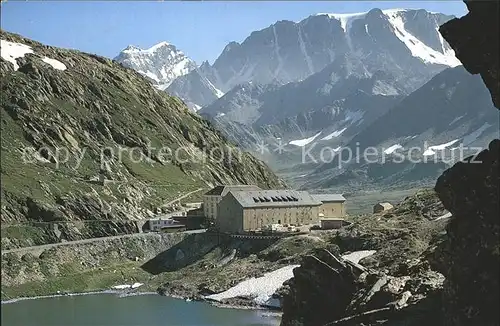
474, 38
470, 189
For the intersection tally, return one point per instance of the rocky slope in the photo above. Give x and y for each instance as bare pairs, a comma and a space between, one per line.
450, 112
161, 63
388, 284
200, 89
343, 95
91, 144
83, 267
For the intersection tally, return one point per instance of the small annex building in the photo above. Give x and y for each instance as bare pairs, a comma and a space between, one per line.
332, 205
253, 210
381, 207
212, 198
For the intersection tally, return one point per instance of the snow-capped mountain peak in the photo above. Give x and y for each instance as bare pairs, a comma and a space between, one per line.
397, 19
344, 19
151, 50
161, 63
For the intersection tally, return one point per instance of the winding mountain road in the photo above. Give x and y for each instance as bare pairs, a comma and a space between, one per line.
68, 243
91, 240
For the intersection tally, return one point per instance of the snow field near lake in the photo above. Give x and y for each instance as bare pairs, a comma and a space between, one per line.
262, 288
127, 286
11, 51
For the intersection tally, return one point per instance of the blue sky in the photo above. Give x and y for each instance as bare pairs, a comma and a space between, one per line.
200, 29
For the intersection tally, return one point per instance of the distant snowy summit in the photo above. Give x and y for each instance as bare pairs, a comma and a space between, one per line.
398, 18
161, 63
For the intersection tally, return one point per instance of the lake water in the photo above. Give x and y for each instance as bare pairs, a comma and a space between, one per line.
138, 310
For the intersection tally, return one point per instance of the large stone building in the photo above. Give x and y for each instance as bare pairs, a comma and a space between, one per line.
214, 196
251, 210
332, 205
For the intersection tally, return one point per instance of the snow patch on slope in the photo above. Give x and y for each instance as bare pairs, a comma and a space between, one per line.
277, 52
216, 91
305, 141
56, 64
432, 149
354, 116
442, 217
345, 19
261, 288
419, 49
304, 52
456, 119
391, 149
11, 51
334, 134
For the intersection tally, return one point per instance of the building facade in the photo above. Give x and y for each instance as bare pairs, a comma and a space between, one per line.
212, 198
158, 224
243, 211
332, 205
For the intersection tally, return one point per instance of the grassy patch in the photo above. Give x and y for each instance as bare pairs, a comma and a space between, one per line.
91, 280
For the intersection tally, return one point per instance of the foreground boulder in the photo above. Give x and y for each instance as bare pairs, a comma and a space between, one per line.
328, 290
395, 284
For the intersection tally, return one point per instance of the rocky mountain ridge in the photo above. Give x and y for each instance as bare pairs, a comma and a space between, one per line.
292, 51
444, 121
379, 58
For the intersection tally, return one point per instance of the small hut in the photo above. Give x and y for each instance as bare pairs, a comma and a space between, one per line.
382, 207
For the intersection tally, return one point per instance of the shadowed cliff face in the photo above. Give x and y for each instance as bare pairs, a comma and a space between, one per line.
470, 189
474, 38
